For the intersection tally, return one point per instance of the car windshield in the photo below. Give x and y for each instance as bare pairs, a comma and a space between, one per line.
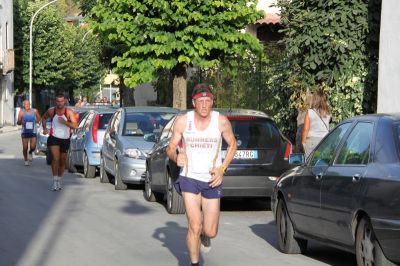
254, 133
139, 124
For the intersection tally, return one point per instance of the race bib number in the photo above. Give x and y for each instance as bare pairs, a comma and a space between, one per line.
29, 125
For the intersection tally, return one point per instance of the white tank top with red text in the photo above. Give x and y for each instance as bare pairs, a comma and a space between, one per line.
58, 129
203, 148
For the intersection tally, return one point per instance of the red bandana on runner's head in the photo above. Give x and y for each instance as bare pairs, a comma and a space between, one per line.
202, 94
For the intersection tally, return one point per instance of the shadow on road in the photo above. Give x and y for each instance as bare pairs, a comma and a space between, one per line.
315, 250
134, 207
173, 237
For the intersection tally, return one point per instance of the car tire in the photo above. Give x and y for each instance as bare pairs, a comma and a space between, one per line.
49, 157
368, 250
70, 165
89, 171
175, 203
104, 177
286, 241
118, 183
148, 193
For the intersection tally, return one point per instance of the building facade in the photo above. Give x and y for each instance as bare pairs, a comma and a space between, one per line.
6, 63
389, 58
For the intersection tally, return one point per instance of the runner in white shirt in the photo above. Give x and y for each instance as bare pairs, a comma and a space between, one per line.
63, 120
202, 169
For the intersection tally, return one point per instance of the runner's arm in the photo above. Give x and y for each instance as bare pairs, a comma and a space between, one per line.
229, 137
71, 122
176, 137
226, 131
19, 120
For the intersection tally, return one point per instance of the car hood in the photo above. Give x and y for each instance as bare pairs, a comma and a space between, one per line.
136, 143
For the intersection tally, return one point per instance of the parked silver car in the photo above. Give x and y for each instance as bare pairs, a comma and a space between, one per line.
86, 141
128, 138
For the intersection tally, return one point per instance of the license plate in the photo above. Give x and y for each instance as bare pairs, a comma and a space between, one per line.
244, 154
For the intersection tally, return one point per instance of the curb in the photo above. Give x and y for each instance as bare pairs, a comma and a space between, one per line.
8, 129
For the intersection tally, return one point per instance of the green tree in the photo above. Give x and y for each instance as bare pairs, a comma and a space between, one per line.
87, 69
61, 61
174, 35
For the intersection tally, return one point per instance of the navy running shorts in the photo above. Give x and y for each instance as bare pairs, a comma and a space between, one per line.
28, 135
187, 184
63, 143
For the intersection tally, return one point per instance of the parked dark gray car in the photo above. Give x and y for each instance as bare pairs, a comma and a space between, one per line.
260, 159
347, 193
86, 141
128, 138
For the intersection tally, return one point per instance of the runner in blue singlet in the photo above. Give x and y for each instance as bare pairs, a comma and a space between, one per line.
28, 117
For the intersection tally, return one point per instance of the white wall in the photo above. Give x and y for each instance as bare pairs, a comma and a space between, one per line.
6, 81
389, 58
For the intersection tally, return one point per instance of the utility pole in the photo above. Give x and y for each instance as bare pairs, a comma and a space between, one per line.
30, 47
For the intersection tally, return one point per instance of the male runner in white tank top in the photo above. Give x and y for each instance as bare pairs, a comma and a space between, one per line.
202, 169
63, 120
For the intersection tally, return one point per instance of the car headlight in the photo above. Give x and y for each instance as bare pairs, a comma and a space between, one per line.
135, 154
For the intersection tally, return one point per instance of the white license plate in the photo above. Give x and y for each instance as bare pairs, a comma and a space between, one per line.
243, 154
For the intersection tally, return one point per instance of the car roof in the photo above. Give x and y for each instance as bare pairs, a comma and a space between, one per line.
236, 112
138, 109
374, 117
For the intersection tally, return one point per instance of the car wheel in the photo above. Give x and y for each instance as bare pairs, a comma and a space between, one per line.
368, 250
149, 195
89, 171
286, 241
174, 200
70, 165
49, 157
104, 178
119, 185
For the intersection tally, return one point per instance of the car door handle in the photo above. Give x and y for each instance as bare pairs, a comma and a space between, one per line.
318, 176
356, 178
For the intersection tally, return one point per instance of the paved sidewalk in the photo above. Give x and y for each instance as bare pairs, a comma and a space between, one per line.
5, 129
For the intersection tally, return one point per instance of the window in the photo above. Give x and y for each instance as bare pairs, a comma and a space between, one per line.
139, 124
104, 119
254, 133
325, 151
356, 148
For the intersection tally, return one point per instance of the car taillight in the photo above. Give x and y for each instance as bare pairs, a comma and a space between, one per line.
95, 128
288, 150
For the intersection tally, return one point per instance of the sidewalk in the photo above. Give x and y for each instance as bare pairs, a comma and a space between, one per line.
5, 129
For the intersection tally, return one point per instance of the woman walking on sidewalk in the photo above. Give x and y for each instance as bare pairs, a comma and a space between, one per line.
28, 117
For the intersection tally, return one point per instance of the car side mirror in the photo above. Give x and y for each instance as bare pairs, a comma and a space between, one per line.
151, 137
296, 159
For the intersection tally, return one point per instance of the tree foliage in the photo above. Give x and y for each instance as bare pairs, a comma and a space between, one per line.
174, 35
61, 60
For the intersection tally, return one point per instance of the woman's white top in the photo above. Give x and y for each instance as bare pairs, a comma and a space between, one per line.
319, 125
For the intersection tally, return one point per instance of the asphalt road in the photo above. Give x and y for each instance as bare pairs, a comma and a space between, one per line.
89, 223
